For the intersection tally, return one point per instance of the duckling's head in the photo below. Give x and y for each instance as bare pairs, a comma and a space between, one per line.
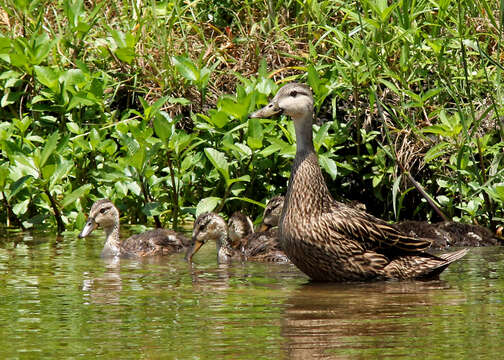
293, 99
239, 226
103, 213
272, 213
208, 226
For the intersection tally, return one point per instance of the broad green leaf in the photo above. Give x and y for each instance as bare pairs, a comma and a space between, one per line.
21, 207
73, 128
254, 134
72, 77
329, 165
163, 127
62, 169
186, 68
76, 194
48, 77
218, 160
207, 204
49, 147
218, 118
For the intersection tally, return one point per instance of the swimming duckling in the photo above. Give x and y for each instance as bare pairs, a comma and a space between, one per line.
150, 243
211, 226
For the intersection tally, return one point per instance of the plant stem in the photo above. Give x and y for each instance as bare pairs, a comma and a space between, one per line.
57, 214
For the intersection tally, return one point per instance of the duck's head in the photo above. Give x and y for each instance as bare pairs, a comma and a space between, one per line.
104, 214
239, 226
272, 213
293, 99
208, 226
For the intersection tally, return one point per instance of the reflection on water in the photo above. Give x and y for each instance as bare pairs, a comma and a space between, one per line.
60, 299
322, 318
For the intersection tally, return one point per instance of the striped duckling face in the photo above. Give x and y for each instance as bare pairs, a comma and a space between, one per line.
272, 213
103, 214
208, 226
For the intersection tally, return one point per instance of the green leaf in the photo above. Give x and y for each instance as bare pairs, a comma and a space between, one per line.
73, 128
436, 151
152, 208
207, 204
186, 68
62, 170
218, 118
48, 77
21, 207
76, 194
49, 147
218, 160
329, 165
395, 190
163, 127
254, 134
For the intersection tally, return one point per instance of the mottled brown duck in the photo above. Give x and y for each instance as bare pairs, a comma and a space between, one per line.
329, 240
211, 226
149, 243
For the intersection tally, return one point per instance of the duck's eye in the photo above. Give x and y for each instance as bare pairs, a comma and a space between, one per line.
293, 93
103, 211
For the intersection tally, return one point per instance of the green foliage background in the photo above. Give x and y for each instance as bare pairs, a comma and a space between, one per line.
146, 103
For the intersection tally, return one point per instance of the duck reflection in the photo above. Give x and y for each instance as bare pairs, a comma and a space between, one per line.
104, 289
327, 321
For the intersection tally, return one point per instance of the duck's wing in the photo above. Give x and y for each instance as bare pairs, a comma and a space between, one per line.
372, 233
156, 242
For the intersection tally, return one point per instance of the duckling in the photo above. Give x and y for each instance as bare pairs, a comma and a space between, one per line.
150, 243
239, 227
332, 241
450, 233
272, 213
211, 226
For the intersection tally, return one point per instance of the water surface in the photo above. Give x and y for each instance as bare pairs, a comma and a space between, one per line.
59, 299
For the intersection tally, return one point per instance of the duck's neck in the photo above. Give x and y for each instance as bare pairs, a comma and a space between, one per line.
224, 251
304, 135
307, 190
112, 245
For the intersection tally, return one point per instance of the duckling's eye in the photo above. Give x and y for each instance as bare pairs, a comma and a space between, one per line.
293, 93
103, 211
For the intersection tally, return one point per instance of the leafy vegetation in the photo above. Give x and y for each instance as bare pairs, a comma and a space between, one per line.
146, 103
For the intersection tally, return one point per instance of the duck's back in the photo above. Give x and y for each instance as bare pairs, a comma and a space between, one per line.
265, 246
155, 242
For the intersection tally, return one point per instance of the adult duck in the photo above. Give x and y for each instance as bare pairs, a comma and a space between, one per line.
154, 242
332, 241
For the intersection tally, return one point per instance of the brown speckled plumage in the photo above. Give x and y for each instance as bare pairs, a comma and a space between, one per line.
331, 241
239, 227
254, 247
449, 233
154, 242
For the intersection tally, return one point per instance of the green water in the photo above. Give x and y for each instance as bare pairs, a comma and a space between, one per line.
60, 300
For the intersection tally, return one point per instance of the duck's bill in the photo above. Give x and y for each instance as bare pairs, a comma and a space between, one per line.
88, 228
193, 249
263, 227
269, 110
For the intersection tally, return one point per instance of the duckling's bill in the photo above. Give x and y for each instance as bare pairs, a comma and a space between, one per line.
193, 249
88, 228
